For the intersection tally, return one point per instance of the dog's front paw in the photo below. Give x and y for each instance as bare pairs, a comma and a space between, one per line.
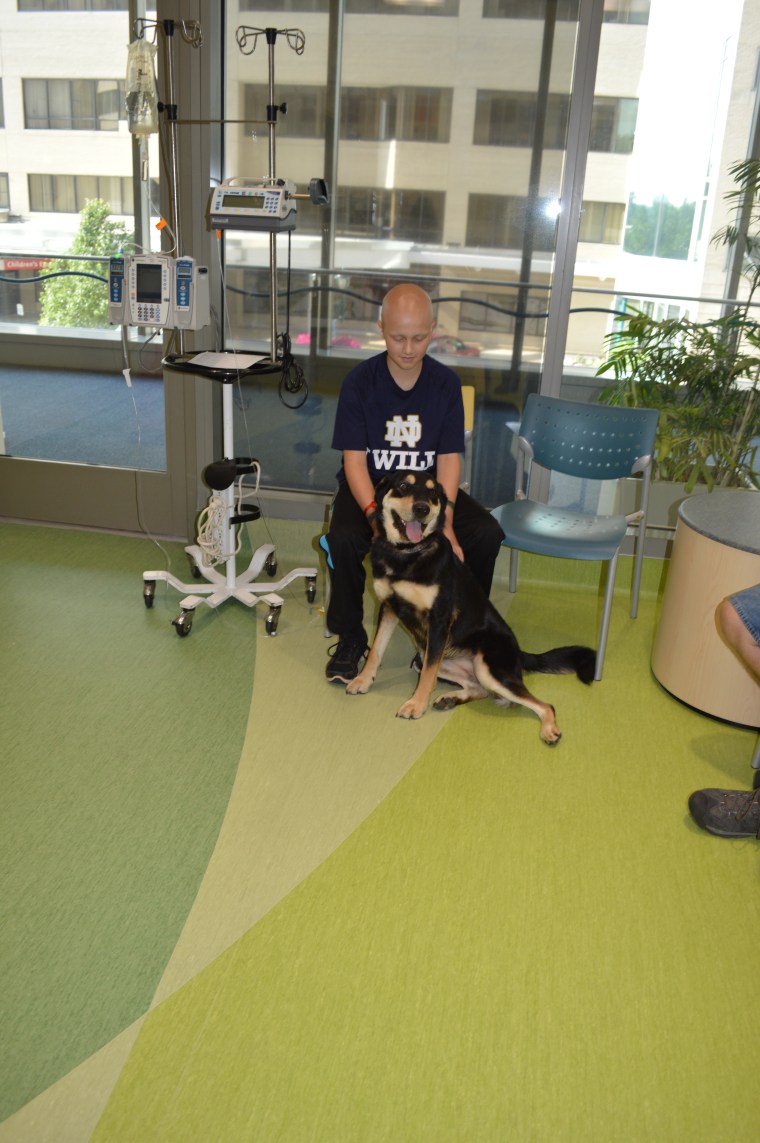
360, 685
411, 709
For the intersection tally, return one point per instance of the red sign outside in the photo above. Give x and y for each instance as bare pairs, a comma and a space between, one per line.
25, 263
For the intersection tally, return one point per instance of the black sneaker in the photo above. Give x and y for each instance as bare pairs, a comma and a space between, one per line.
345, 657
727, 813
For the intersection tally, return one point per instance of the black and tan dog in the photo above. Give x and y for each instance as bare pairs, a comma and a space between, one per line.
419, 582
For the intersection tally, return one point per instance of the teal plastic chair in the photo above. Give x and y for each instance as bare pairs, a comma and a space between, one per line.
594, 442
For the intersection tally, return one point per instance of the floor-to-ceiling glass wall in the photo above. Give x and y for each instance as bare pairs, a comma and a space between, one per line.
440, 129
448, 134
83, 404
70, 204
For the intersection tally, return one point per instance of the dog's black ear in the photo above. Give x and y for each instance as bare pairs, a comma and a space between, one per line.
382, 486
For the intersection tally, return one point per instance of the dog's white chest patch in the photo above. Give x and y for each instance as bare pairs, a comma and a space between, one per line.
421, 596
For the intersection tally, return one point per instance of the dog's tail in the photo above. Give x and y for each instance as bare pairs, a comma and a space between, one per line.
580, 661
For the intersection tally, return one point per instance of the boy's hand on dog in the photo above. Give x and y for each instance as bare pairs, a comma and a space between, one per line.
448, 531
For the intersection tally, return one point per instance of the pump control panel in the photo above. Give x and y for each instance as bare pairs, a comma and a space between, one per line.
158, 290
253, 206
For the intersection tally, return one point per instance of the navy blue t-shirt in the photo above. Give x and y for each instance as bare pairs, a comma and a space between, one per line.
400, 429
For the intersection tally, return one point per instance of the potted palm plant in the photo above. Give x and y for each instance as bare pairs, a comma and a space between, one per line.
703, 377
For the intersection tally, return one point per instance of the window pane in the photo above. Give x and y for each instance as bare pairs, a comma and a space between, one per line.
602, 222
109, 102
35, 103
83, 104
528, 9
506, 119
58, 167
60, 99
40, 192
613, 125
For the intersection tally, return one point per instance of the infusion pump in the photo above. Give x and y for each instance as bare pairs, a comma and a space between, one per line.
238, 205
158, 289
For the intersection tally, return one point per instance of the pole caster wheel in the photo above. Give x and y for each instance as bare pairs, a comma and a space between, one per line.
183, 624
149, 592
273, 618
270, 567
195, 571
311, 588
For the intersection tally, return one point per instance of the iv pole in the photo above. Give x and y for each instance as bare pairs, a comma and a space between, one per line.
230, 585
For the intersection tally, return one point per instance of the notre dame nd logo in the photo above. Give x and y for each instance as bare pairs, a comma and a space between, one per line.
403, 431
403, 435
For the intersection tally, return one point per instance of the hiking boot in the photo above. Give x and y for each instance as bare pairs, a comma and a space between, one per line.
727, 813
345, 657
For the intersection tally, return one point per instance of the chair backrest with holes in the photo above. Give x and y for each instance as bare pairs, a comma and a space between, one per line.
596, 442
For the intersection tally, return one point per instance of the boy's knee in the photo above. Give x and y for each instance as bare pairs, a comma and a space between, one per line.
490, 535
346, 546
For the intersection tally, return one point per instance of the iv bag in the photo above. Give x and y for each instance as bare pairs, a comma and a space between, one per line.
142, 98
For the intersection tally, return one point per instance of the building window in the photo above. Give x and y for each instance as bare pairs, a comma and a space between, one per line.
5, 198
305, 117
626, 11
74, 104
528, 9
285, 6
602, 222
73, 5
615, 11
408, 215
501, 221
409, 114
508, 119
613, 125
68, 194
358, 7
658, 310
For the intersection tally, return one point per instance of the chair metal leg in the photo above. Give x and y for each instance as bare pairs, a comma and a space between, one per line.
606, 612
641, 539
756, 756
513, 558
637, 566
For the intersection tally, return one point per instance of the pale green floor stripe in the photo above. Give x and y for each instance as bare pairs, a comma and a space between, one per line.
315, 763
299, 791
68, 1111
519, 944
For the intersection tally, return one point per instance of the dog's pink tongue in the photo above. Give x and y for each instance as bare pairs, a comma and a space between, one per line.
414, 531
